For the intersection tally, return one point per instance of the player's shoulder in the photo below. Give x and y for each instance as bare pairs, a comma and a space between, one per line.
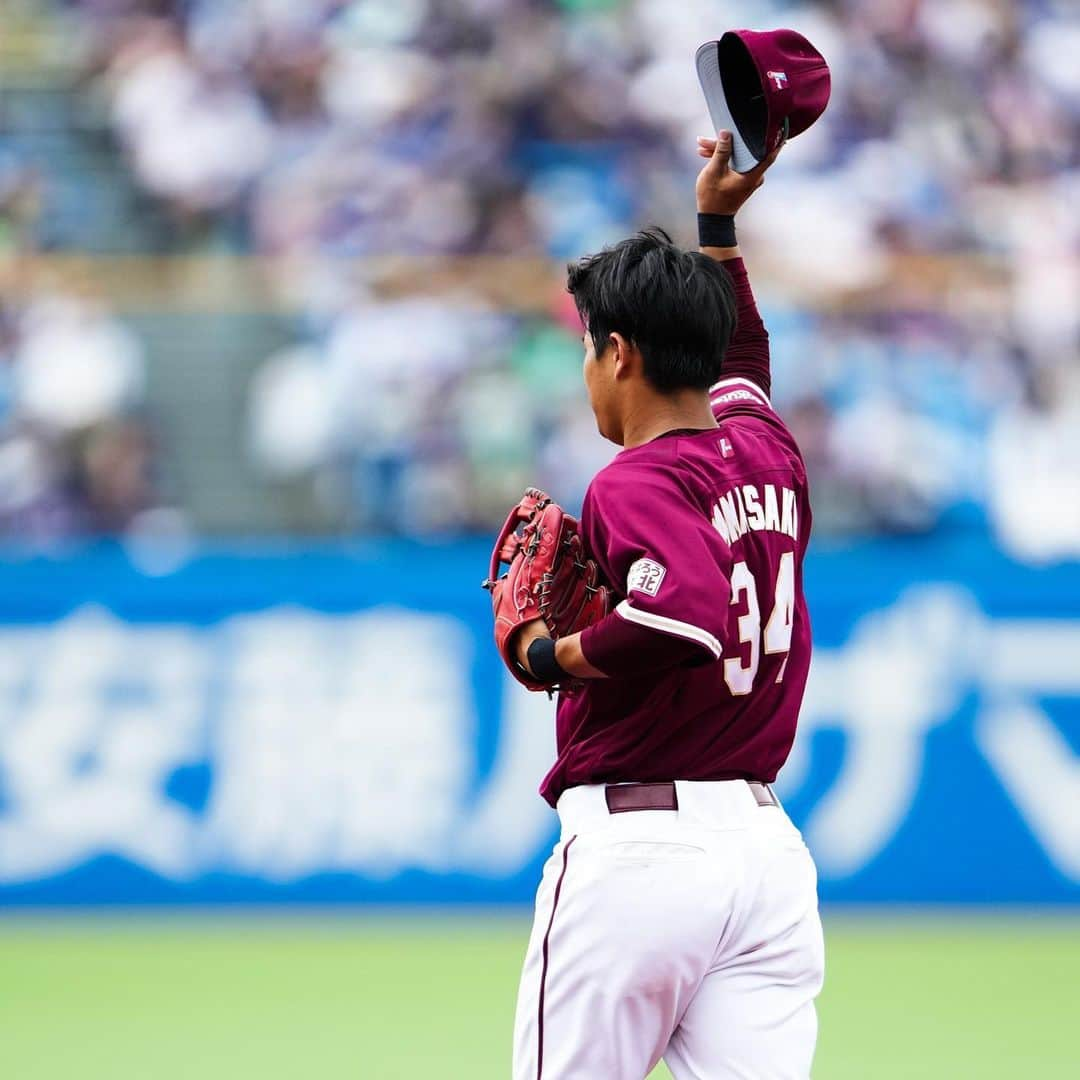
740, 403
650, 467
646, 465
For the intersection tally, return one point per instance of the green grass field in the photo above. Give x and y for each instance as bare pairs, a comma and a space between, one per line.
248, 996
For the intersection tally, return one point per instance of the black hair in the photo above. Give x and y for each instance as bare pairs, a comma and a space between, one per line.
677, 307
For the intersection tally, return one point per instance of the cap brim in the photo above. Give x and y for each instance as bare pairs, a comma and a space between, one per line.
708, 69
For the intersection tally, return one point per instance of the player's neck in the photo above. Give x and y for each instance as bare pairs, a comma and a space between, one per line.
657, 413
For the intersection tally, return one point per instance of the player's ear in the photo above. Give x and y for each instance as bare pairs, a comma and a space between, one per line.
622, 355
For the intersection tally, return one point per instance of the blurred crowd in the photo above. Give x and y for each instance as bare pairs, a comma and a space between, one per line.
77, 456
547, 128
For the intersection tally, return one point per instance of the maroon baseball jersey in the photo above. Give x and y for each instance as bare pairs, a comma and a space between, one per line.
702, 534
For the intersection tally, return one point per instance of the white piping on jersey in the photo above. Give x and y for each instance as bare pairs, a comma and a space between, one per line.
670, 626
747, 384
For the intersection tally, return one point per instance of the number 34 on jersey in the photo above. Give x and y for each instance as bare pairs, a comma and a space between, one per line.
749, 508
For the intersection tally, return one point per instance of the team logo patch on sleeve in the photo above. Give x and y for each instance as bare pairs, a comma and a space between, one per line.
645, 576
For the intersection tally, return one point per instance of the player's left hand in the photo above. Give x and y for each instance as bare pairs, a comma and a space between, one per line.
720, 189
552, 588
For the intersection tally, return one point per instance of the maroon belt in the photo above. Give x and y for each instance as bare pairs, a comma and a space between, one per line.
663, 796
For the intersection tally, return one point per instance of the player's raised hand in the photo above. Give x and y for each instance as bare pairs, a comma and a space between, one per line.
720, 189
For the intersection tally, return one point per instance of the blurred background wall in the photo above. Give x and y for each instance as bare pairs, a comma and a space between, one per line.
283, 331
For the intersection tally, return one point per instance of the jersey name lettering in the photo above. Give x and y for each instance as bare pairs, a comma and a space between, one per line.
755, 507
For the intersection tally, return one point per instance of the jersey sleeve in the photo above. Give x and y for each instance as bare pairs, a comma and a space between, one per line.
747, 377
622, 649
664, 557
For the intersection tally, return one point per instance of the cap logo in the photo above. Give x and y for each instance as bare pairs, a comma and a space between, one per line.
778, 77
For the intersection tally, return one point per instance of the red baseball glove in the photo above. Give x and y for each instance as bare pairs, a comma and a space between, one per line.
550, 578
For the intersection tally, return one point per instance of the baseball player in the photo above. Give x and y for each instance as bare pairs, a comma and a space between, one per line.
677, 917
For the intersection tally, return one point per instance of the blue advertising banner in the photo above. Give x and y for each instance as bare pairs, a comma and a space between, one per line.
333, 725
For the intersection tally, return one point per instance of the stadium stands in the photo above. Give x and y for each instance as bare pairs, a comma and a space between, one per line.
297, 168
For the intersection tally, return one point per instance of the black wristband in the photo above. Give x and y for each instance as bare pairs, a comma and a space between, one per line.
542, 662
716, 230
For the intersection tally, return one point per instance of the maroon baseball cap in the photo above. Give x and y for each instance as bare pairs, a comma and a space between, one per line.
763, 87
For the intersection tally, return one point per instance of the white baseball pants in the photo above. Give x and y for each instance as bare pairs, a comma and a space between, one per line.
691, 935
